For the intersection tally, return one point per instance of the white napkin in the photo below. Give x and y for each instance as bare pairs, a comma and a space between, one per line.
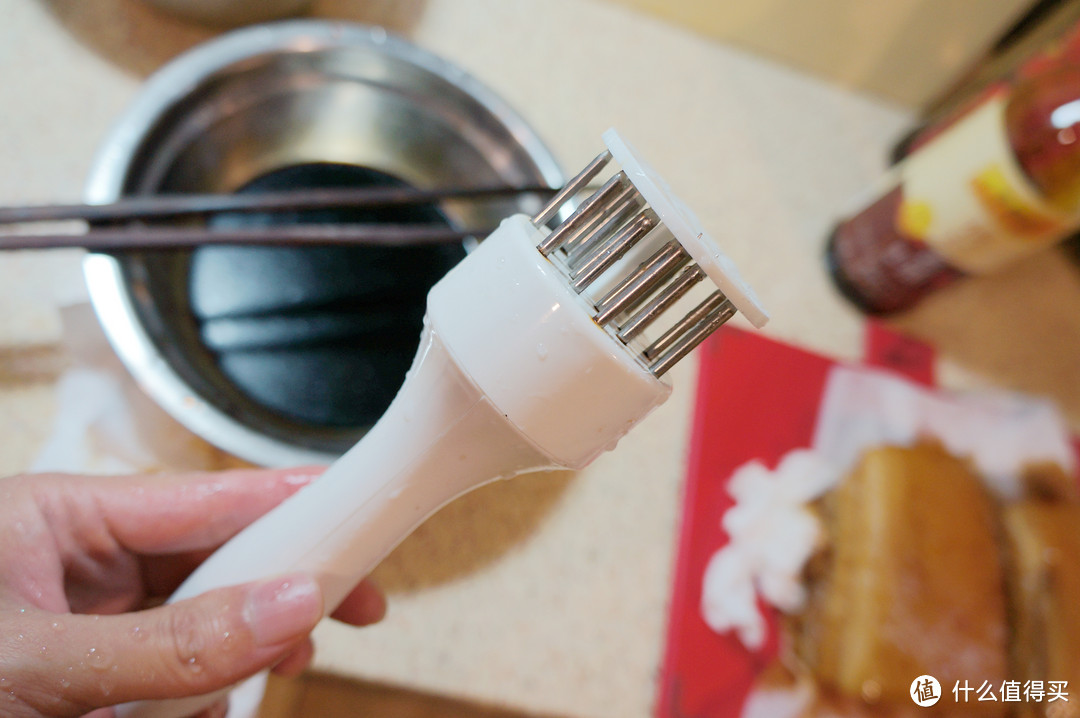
999, 431
772, 533
104, 423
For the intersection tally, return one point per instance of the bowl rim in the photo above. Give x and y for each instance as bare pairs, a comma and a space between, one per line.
109, 293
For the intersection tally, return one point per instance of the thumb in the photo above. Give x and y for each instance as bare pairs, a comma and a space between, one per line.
188, 648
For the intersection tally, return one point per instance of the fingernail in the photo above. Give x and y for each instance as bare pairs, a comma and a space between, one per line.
283, 609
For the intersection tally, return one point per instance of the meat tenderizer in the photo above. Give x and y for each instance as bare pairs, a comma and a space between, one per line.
534, 355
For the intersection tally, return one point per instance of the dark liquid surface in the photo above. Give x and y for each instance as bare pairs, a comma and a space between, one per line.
320, 335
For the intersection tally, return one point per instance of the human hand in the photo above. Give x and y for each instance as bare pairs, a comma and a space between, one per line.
82, 557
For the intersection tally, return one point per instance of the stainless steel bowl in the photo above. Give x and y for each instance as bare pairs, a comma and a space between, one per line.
255, 101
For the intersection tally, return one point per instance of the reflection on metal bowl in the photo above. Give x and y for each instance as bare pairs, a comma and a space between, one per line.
284, 355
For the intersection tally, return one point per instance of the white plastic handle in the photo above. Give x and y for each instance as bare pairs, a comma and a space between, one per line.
439, 438
512, 375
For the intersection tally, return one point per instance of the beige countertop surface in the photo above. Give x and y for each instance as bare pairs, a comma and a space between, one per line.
548, 592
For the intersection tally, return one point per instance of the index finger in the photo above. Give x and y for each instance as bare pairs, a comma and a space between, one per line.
156, 514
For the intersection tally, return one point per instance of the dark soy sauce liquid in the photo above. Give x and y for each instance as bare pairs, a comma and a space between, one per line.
319, 335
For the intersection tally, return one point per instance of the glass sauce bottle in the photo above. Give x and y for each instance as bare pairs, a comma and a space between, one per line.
998, 184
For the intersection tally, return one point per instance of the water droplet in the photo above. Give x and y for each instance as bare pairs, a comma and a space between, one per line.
11, 695
205, 491
98, 659
58, 627
138, 633
44, 650
541, 351
298, 479
194, 666
65, 683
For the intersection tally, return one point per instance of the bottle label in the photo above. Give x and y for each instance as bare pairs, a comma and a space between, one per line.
967, 198
876, 265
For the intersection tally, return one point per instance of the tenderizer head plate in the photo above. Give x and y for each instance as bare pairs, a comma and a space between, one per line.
684, 224
636, 252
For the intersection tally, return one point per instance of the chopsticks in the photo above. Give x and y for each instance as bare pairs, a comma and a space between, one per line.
294, 235
110, 237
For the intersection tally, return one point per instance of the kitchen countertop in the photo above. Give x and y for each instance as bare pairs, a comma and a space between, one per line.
547, 592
